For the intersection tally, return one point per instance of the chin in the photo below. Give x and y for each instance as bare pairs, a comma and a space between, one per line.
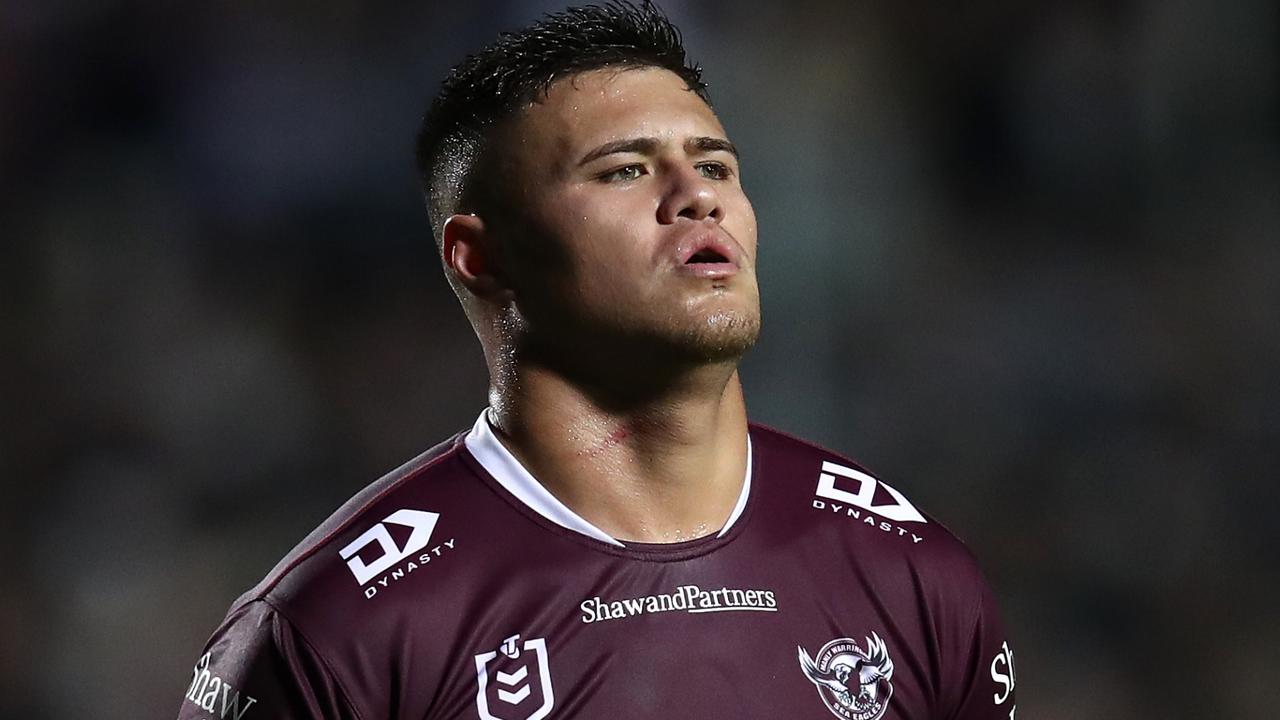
723, 335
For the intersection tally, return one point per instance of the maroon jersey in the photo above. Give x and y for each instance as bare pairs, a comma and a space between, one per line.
458, 587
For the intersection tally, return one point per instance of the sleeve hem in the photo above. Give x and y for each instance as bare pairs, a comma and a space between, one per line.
320, 656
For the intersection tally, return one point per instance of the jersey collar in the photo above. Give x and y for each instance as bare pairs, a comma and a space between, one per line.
483, 443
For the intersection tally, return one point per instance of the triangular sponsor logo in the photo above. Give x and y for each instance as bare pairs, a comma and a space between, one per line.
420, 523
900, 509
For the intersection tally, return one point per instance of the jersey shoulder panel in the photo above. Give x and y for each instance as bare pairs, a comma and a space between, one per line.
393, 499
345, 589
826, 492
912, 564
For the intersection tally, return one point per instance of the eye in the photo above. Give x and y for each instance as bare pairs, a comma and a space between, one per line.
623, 174
715, 171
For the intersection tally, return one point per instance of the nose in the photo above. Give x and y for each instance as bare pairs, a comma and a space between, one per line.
689, 195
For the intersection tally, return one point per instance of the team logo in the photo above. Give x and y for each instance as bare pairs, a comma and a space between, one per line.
853, 683
900, 510
515, 681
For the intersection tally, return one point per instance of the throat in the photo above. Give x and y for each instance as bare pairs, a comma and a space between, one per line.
654, 536
653, 511
671, 474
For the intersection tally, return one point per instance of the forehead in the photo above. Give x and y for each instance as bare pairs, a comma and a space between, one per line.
588, 109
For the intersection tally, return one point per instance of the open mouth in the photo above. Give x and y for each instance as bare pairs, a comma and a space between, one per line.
706, 255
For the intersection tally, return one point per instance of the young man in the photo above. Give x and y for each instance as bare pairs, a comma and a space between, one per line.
611, 538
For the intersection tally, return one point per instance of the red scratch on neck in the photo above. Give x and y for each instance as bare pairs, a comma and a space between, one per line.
615, 438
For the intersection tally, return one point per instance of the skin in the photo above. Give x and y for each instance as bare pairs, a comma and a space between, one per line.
613, 365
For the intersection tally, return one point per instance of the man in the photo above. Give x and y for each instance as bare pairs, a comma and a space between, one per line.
611, 538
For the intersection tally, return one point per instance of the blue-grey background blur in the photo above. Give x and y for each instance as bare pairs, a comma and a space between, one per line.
1019, 258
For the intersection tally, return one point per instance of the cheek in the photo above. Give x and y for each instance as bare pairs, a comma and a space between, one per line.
743, 225
608, 231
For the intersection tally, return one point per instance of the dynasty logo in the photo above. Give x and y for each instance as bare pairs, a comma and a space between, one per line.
873, 503
853, 683
367, 566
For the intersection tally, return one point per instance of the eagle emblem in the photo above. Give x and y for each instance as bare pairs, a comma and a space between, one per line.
852, 682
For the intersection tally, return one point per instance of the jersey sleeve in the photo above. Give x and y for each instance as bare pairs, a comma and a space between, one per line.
985, 689
257, 665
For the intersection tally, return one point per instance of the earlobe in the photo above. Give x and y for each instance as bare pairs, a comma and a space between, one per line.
470, 252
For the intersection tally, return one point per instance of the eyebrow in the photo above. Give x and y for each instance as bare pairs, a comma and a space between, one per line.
647, 145
713, 144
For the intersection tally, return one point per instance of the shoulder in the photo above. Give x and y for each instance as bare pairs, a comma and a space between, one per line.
843, 504
341, 596
256, 658
389, 520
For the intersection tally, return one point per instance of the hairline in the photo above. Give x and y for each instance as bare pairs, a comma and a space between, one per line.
475, 190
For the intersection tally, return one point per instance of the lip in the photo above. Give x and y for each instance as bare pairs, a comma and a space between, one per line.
712, 240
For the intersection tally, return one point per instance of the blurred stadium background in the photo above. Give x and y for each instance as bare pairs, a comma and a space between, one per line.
1022, 259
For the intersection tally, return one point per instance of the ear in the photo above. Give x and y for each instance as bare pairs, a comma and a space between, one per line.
471, 252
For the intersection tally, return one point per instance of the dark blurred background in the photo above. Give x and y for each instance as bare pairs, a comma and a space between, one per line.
1022, 259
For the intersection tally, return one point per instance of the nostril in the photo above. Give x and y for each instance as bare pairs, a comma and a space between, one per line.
691, 204
691, 213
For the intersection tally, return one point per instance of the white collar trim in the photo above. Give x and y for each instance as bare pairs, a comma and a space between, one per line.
498, 461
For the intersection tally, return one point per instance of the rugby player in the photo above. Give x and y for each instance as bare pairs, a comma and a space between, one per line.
611, 538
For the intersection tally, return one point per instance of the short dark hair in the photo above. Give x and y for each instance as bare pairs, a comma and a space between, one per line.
497, 82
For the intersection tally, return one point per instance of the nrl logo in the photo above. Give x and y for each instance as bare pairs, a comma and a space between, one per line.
853, 683
512, 675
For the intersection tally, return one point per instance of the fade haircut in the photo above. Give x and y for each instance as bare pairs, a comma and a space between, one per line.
519, 68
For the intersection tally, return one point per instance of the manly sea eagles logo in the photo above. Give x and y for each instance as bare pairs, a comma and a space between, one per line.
515, 681
852, 682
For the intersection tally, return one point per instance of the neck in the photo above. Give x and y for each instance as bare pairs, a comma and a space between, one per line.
663, 465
